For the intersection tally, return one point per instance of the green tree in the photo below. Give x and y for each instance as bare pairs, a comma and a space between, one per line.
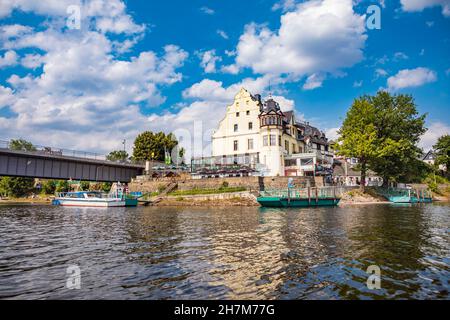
442, 151
151, 146
21, 145
49, 186
399, 128
117, 155
16, 187
84, 185
106, 186
382, 131
62, 186
358, 135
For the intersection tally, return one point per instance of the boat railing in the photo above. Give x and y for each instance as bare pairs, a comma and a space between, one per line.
303, 193
419, 193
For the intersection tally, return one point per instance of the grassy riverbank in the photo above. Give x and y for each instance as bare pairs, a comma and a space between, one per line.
193, 192
27, 200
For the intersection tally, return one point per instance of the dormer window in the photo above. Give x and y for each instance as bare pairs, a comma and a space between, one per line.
248, 112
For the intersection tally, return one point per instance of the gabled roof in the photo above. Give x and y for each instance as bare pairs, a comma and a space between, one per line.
429, 156
288, 116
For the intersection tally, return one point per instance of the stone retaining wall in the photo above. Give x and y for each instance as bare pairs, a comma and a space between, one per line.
216, 196
250, 183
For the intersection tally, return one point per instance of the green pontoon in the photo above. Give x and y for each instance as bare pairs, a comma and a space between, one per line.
297, 198
406, 195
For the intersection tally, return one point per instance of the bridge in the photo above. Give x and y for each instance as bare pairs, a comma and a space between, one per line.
50, 163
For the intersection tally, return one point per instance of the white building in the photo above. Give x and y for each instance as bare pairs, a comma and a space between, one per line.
258, 135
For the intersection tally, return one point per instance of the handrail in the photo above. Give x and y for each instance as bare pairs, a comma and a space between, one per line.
53, 151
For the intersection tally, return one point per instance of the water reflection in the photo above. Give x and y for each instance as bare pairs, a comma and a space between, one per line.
232, 253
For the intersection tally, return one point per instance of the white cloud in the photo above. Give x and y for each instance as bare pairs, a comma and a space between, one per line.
210, 97
13, 31
380, 73
314, 81
6, 97
209, 90
400, 56
232, 69
435, 130
429, 23
357, 84
285, 104
209, 60
419, 5
411, 78
223, 34
207, 10
105, 15
304, 41
332, 133
32, 61
284, 5
8, 59
230, 53
84, 97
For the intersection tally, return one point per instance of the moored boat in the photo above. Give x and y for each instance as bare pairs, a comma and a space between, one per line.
88, 199
117, 197
297, 198
406, 195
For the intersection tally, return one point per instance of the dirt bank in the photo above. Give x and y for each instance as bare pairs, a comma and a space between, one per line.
232, 202
357, 197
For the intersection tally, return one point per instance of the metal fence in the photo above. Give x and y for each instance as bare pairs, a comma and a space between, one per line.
52, 151
308, 193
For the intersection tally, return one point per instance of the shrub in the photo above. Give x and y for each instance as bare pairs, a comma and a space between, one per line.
106, 186
16, 187
62, 186
49, 186
84, 185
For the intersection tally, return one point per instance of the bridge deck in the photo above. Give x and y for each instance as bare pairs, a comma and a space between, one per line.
56, 165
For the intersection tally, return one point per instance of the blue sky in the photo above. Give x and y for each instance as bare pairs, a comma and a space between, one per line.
175, 65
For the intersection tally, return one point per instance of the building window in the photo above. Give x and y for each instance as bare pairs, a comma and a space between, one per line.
265, 141
235, 128
250, 126
273, 140
293, 148
250, 144
279, 141
248, 112
235, 145
286, 145
237, 114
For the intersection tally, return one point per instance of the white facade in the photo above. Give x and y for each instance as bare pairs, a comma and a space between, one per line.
240, 124
259, 130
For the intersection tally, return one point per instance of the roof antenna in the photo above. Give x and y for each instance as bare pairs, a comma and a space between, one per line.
270, 91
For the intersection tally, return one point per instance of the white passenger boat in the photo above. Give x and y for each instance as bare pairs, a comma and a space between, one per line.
89, 199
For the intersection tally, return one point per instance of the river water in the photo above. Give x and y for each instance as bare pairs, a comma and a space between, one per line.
231, 253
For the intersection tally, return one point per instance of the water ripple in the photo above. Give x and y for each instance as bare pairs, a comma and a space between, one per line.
237, 253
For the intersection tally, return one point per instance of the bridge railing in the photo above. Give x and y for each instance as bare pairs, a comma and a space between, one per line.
45, 150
